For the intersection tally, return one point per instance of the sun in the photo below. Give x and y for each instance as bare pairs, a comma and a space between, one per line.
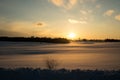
71, 35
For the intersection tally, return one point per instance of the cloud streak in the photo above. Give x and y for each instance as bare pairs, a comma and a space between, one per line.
83, 1
40, 24
73, 21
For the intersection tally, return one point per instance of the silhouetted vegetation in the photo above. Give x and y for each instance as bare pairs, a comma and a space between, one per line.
98, 40
112, 40
62, 74
35, 39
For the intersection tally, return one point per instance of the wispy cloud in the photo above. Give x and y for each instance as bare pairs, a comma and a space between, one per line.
83, 12
109, 12
117, 17
86, 12
98, 6
73, 21
86, 15
67, 4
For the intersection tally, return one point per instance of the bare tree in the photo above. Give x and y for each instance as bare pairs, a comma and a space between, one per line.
51, 63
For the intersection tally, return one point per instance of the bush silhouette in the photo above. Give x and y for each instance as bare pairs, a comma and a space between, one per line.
51, 63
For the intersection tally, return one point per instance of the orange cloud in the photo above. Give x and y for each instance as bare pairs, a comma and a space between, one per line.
57, 2
109, 13
67, 4
117, 17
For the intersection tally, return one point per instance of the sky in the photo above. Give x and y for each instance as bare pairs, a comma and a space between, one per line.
90, 19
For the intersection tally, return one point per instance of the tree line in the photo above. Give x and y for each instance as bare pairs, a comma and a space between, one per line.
35, 39
53, 40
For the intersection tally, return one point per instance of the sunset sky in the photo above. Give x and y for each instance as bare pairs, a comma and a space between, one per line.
91, 19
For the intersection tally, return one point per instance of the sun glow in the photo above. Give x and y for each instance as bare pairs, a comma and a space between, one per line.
71, 35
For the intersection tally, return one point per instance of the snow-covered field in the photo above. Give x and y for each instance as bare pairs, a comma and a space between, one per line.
82, 55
